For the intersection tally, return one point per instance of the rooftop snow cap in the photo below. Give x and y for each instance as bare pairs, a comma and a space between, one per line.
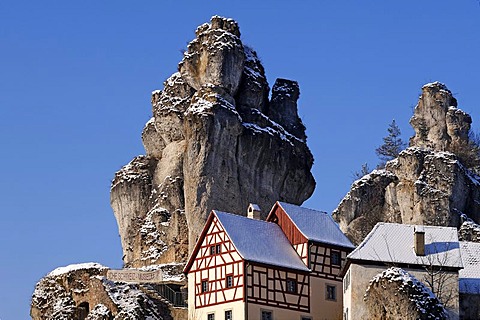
254, 211
419, 240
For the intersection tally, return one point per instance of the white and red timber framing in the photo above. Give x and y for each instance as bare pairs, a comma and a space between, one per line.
283, 265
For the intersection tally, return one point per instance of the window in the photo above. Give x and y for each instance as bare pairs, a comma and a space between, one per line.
335, 258
305, 318
346, 281
331, 293
291, 286
212, 250
267, 315
228, 315
204, 285
229, 282
211, 316
218, 249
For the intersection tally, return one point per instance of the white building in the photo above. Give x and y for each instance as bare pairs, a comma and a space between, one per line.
416, 249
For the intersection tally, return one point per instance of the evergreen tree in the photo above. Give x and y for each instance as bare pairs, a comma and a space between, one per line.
392, 144
363, 172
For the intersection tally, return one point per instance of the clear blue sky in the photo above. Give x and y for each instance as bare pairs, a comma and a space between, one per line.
75, 84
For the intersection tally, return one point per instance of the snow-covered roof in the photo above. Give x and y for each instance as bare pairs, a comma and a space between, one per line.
393, 243
469, 276
316, 225
260, 241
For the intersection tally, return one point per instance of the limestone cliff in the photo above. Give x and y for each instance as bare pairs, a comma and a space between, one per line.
214, 141
427, 183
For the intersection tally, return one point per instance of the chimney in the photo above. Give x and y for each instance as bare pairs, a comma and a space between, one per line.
419, 240
253, 211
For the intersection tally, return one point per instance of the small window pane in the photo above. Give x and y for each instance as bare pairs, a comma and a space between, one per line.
211, 316
228, 315
267, 315
218, 249
331, 293
229, 281
335, 257
204, 286
212, 250
291, 286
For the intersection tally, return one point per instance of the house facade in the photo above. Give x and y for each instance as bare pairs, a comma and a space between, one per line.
469, 280
286, 267
429, 253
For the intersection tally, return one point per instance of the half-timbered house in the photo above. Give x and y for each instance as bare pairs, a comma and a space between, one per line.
282, 268
323, 248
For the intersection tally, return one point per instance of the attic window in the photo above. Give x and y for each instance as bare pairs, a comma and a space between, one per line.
291, 286
212, 250
218, 249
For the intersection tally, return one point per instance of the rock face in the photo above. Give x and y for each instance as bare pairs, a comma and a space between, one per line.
427, 183
438, 123
215, 142
83, 292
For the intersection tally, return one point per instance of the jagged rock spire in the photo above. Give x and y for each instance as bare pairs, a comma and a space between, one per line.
215, 142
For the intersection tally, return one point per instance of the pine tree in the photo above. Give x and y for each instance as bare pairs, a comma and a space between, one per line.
363, 172
392, 144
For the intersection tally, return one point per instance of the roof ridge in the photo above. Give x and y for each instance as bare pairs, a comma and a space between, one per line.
241, 216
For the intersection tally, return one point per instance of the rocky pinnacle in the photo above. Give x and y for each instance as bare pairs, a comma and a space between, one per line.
215, 141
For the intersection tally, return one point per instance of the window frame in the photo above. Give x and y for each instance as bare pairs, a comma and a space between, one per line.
204, 282
229, 276
262, 311
327, 291
211, 316
293, 290
218, 249
231, 314
338, 254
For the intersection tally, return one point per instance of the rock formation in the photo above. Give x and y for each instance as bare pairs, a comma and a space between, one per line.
427, 183
214, 141
395, 294
83, 292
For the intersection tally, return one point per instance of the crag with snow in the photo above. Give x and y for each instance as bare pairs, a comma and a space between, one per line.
427, 183
82, 290
215, 141
396, 294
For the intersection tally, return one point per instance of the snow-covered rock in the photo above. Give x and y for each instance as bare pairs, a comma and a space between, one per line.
396, 294
425, 184
83, 289
214, 142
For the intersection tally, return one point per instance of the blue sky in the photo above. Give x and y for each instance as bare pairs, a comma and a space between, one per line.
76, 79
